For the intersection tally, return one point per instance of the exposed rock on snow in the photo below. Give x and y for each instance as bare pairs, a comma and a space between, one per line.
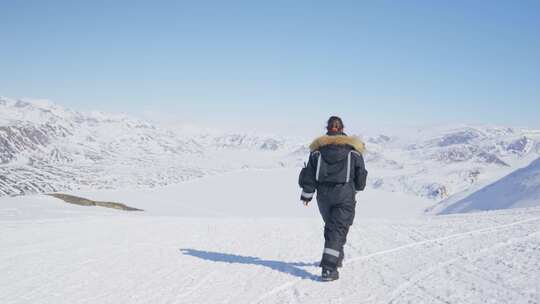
72, 199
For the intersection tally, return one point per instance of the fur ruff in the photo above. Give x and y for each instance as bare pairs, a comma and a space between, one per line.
325, 140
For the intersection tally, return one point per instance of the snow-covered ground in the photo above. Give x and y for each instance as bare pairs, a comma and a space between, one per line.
245, 238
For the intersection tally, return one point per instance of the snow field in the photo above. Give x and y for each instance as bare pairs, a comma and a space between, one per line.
113, 257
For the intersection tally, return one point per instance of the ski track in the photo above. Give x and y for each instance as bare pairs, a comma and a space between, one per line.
137, 259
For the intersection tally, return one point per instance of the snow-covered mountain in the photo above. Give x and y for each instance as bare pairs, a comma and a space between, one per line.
439, 162
519, 189
45, 147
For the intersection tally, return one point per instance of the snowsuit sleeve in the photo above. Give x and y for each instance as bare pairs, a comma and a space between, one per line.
307, 180
360, 172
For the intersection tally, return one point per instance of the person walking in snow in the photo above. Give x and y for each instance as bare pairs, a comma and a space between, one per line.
336, 171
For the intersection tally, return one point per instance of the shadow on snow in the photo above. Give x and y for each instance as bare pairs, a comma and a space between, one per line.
285, 267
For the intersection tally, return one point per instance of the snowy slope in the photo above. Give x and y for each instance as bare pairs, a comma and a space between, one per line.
521, 188
179, 252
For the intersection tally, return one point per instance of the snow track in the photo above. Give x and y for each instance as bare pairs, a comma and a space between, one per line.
394, 295
111, 257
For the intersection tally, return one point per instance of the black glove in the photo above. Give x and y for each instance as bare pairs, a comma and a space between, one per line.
306, 197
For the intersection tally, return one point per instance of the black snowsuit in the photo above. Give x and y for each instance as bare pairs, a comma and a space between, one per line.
336, 171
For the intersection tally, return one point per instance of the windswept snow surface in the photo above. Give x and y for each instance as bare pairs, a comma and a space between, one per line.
244, 238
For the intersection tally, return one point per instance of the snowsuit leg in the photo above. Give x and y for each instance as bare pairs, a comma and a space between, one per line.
337, 207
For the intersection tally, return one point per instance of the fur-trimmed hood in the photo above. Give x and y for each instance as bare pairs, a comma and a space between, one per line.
325, 140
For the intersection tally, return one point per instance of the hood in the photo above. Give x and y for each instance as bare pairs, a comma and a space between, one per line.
339, 140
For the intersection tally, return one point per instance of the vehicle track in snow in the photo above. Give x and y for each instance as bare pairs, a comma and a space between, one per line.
418, 277
440, 241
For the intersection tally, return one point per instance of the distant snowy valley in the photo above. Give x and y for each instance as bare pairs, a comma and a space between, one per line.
48, 148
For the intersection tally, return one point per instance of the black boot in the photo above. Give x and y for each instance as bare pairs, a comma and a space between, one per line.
329, 274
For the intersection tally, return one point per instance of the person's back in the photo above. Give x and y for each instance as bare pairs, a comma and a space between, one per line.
336, 171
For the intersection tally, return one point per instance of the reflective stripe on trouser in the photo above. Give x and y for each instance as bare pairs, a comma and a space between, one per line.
330, 258
333, 246
331, 251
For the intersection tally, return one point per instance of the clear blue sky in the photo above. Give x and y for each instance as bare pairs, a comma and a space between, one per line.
286, 62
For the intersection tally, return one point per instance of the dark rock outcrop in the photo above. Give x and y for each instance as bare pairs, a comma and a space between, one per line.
72, 199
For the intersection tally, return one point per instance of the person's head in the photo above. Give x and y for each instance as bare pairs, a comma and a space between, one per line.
334, 125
